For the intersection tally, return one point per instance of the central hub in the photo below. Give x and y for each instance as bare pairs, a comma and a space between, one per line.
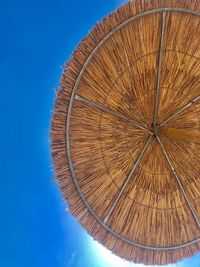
154, 129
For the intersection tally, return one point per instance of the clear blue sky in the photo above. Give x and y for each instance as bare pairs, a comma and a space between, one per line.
37, 37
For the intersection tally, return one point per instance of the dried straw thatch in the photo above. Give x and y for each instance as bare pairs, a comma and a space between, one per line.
123, 156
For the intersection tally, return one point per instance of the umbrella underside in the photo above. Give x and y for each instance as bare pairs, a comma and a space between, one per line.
125, 132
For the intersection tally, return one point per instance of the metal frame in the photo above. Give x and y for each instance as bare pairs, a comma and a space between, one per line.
68, 148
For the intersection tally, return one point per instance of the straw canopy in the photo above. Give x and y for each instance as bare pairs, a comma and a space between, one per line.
126, 131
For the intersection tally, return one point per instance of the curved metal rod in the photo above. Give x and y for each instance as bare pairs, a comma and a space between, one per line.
107, 110
139, 159
68, 147
180, 184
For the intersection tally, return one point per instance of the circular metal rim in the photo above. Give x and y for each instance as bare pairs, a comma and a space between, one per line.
68, 149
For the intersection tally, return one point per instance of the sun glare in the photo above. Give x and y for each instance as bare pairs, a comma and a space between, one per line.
109, 259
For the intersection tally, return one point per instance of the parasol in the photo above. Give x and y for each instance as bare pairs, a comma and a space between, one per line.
126, 131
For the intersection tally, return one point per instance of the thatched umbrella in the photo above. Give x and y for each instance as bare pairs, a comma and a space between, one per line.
125, 132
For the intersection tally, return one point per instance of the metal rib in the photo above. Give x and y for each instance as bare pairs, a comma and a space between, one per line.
180, 184
128, 179
181, 110
159, 69
107, 110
